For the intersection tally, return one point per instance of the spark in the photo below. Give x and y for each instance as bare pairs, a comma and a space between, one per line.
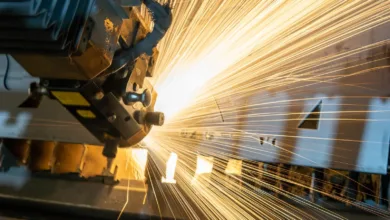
204, 165
170, 171
139, 158
231, 71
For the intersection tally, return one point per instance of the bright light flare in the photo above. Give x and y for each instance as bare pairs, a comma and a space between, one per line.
139, 158
219, 53
204, 165
170, 170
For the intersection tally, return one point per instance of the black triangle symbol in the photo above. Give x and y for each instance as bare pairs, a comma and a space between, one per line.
312, 120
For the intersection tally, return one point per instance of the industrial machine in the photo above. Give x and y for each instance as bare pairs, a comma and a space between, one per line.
92, 56
76, 76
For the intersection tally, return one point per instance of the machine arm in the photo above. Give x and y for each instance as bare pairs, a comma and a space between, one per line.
93, 56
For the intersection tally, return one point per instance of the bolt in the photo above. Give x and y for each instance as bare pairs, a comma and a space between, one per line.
112, 118
99, 95
45, 83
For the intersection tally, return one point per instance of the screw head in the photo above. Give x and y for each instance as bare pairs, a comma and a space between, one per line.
112, 118
99, 95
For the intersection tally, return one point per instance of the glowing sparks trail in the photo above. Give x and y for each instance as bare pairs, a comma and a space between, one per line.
242, 40
232, 71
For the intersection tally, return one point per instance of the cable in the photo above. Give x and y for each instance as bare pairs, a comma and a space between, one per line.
6, 74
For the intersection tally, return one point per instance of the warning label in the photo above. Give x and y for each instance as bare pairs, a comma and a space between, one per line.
70, 98
86, 113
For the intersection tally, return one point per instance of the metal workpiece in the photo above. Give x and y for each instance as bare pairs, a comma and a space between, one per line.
102, 164
41, 155
74, 179
82, 171
14, 153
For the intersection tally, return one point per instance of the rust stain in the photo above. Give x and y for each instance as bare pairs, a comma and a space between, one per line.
109, 25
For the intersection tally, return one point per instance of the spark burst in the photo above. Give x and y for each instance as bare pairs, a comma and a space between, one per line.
215, 60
